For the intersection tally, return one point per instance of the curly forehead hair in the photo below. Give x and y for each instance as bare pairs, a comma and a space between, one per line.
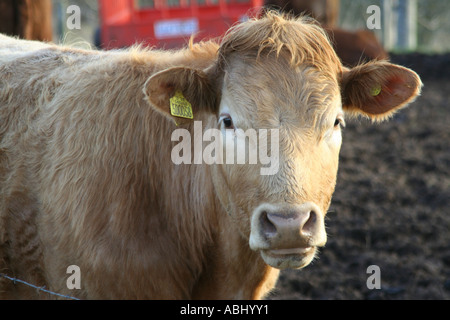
299, 40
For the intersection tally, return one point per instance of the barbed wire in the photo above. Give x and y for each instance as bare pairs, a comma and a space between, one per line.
2, 275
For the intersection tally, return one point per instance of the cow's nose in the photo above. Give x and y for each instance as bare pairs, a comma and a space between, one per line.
300, 223
293, 227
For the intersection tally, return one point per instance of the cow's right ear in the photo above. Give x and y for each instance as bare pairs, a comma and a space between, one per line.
181, 93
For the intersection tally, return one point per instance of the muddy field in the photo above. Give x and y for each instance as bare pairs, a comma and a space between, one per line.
391, 207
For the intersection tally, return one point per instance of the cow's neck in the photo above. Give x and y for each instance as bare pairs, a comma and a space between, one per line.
232, 270
228, 269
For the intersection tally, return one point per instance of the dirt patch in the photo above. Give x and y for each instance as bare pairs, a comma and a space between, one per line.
391, 207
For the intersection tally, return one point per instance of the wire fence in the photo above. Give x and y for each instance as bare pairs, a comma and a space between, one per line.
41, 289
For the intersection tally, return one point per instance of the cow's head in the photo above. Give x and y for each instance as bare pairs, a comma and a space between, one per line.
283, 74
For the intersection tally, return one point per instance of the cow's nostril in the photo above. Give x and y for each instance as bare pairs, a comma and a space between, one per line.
268, 228
310, 224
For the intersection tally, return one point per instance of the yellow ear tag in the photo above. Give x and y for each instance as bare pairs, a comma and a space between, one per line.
375, 90
180, 107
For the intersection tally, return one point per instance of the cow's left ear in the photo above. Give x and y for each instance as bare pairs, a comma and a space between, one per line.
377, 89
181, 93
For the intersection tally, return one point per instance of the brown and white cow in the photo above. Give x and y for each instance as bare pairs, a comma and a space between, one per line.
87, 179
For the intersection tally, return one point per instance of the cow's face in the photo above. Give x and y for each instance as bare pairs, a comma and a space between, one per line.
296, 111
295, 119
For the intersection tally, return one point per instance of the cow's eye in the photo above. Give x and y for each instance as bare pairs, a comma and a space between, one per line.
339, 122
227, 121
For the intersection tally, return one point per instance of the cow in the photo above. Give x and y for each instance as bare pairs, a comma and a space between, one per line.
27, 19
352, 47
356, 47
87, 176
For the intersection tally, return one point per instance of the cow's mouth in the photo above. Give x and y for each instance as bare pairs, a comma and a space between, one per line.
292, 258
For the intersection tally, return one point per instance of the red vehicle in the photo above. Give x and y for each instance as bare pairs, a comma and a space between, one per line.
169, 23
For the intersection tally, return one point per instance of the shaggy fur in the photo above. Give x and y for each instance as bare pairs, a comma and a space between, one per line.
352, 47
324, 11
86, 176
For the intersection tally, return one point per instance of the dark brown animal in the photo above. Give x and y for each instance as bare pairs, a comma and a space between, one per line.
352, 47
324, 11
28, 19
355, 47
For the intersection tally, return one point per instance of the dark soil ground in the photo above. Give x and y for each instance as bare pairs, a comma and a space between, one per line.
391, 207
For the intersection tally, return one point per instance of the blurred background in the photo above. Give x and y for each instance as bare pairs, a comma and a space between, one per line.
391, 207
432, 21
